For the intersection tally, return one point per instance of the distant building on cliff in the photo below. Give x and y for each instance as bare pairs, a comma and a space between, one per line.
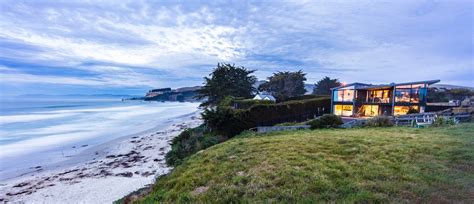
168, 94
156, 92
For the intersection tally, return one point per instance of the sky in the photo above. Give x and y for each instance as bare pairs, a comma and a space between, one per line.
129, 47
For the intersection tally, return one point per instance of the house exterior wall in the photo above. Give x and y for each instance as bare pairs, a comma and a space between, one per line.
369, 101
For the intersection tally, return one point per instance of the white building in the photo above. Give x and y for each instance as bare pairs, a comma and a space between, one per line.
264, 96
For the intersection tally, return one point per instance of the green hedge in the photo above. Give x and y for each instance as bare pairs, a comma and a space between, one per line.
230, 122
247, 103
291, 111
305, 97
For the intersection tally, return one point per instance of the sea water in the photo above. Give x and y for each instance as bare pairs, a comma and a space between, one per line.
41, 132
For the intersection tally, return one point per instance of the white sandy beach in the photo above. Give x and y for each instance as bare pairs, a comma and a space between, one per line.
103, 173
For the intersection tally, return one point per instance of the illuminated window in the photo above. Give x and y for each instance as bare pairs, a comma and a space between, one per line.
415, 95
379, 96
343, 110
402, 95
402, 110
369, 110
348, 95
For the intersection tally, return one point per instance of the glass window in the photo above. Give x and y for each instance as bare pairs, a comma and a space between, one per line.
415, 95
369, 110
403, 87
347, 110
337, 109
348, 95
418, 85
343, 95
422, 94
402, 110
336, 96
402, 95
343, 110
379, 96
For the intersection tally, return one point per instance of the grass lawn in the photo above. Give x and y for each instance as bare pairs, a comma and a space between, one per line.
373, 164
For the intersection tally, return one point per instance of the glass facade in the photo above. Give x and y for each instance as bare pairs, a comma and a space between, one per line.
369, 101
414, 93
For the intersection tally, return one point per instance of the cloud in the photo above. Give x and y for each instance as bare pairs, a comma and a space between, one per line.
163, 43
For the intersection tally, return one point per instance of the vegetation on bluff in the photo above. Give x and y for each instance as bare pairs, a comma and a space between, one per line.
393, 164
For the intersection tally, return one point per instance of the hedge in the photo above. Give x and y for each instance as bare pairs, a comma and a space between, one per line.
305, 97
230, 122
247, 103
291, 111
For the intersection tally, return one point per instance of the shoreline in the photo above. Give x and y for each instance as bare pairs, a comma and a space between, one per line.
98, 174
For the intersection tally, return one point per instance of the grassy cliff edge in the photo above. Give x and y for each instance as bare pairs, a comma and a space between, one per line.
371, 164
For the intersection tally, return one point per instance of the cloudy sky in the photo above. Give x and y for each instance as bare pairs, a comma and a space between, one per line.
128, 47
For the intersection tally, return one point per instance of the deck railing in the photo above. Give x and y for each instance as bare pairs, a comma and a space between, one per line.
427, 118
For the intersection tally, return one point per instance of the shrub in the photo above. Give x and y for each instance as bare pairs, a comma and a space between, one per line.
326, 121
379, 121
189, 142
443, 121
226, 121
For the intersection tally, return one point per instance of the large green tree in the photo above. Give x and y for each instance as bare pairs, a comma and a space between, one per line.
283, 85
227, 80
323, 87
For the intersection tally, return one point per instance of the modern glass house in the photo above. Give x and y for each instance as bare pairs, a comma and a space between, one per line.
367, 100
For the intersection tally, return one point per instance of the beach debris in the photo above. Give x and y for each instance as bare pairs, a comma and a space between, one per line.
20, 185
67, 172
125, 174
148, 173
147, 148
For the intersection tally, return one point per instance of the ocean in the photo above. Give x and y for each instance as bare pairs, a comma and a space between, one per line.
42, 132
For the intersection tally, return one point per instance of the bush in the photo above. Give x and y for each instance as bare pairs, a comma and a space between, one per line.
189, 142
443, 121
226, 121
379, 121
326, 121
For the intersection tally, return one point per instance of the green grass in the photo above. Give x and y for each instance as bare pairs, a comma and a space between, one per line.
373, 164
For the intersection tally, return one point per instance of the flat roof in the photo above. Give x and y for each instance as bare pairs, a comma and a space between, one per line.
371, 86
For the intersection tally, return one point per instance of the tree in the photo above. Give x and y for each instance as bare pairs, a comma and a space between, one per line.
283, 85
324, 86
226, 80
